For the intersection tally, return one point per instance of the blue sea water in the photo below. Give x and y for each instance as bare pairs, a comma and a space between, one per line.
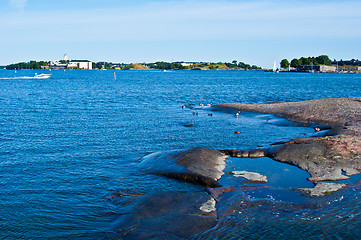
68, 143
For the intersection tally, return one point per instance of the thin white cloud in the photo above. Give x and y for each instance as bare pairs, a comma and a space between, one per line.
192, 20
18, 4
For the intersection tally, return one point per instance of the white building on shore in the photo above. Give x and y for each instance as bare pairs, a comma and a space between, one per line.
80, 64
73, 64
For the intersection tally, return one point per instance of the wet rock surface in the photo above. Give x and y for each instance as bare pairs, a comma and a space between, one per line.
184, 215
333, 112
334, 156
331, 156
198, 165
251, 176
256, 153
171, 215
314, 156
322, 189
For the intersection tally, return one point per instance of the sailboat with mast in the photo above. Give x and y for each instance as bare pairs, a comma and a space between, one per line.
275, 69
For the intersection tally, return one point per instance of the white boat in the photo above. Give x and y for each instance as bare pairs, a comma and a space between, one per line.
42, 76
37, 76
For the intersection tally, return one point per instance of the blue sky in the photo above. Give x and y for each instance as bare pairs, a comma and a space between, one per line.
254, 31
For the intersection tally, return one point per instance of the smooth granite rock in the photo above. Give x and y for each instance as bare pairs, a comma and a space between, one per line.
198, 165
251, 176
332, 157
322, 189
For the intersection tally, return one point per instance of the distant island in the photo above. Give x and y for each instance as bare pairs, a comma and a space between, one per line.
85, 64
65, 63
321, 63
234, 65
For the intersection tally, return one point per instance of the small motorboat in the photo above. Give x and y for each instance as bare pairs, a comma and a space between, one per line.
37, 76
42, 76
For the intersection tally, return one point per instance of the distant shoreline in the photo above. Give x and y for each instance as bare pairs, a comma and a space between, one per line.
150, 69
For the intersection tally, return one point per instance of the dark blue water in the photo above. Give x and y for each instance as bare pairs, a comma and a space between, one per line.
68, 143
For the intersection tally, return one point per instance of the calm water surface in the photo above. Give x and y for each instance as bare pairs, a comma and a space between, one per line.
68, 143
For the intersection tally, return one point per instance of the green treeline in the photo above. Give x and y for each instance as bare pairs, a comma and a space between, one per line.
242, 65
160, 65
303, 61
352, 62
29, 65
166, 66
202, 66
110, 65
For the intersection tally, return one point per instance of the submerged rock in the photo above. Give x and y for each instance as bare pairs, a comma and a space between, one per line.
322, 189
170, 215
251, 176
199, 165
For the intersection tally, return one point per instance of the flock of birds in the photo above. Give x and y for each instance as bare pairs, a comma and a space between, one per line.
317, 129
209, 114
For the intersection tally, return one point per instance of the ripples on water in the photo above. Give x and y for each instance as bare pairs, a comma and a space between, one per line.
69, 142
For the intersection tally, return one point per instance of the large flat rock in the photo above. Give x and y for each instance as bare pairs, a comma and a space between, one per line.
334, 112
332, 157
198, 165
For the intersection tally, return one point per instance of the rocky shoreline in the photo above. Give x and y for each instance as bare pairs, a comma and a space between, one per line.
334, 156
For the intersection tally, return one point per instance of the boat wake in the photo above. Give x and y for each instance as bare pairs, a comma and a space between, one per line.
36, 76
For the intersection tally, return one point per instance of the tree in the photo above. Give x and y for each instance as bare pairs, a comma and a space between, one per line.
324, 60
305, 61
315, 61
295, 63
108, 65
161, 65
284, 63
43, 63
28, 65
